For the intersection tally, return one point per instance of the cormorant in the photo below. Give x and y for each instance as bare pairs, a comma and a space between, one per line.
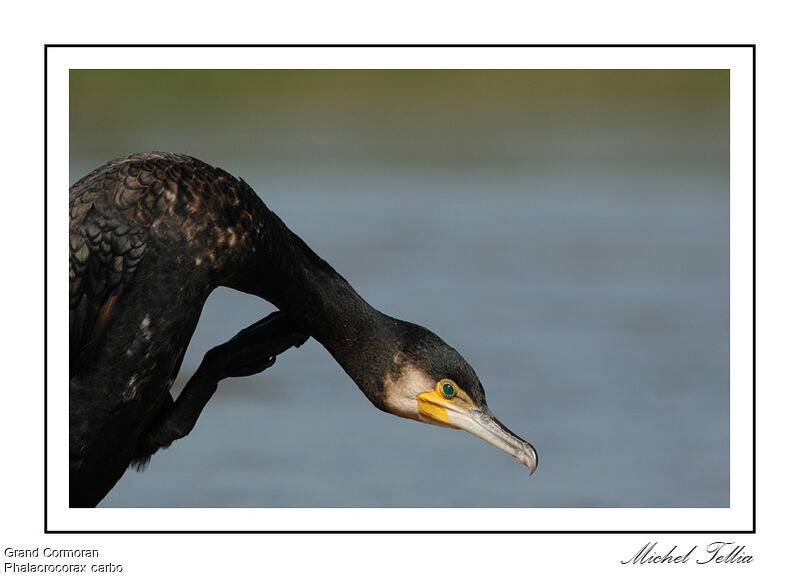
151, 235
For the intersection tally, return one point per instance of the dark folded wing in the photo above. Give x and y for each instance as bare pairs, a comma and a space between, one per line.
104, 252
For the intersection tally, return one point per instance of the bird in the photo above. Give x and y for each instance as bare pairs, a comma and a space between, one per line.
150, 236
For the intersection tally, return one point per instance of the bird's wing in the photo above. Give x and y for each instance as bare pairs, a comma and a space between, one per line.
104, 251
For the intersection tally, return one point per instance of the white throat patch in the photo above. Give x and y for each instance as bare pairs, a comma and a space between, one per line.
401, 388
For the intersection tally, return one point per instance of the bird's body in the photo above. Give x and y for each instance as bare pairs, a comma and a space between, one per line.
151, 235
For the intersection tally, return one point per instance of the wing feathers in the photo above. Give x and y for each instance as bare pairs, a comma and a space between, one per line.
104, 252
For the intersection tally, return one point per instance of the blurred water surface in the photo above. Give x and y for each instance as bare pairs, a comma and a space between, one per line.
583, 271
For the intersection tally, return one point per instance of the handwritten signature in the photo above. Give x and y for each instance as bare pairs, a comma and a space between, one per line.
716, 552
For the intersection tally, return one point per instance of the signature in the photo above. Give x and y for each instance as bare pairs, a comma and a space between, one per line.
715, 552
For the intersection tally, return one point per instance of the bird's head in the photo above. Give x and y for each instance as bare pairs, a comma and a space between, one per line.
430, 382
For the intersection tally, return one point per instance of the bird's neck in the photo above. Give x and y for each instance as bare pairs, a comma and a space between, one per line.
293, 277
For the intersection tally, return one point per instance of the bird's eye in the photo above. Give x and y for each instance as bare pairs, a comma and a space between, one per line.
447, 388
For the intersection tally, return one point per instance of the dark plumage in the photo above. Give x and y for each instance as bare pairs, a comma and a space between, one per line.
151, 235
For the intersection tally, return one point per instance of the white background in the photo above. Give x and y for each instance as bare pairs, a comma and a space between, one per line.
26, 31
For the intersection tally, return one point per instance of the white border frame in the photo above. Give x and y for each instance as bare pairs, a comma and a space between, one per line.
738, 517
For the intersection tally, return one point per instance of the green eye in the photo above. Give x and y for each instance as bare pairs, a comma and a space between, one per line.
448, 390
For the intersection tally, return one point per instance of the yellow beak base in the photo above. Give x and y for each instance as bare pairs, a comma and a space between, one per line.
429, 406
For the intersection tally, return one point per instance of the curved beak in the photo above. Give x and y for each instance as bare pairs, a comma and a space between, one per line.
483, 423
479, 422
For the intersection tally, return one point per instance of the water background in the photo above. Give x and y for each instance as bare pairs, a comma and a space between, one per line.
576, 252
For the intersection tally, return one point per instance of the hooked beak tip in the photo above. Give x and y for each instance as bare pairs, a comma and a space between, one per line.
530, 458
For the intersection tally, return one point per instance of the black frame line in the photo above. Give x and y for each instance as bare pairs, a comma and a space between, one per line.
515, 46
399, 46
45, 290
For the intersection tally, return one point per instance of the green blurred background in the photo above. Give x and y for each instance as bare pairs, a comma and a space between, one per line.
391, 116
